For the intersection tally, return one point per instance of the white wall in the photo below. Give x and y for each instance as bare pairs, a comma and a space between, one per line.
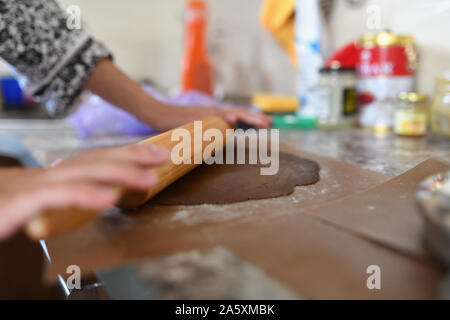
146, 37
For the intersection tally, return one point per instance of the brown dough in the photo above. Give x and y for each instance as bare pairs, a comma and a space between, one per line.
228, 183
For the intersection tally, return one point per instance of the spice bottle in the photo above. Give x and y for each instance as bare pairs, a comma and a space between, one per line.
337, 102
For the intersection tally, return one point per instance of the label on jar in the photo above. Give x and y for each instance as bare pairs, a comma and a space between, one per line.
349, 102
410, 124
383, 73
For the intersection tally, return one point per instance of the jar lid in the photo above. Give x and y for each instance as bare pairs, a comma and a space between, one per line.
339, 70
385, 39
413, 96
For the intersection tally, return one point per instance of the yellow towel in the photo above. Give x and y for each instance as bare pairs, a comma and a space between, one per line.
278, 17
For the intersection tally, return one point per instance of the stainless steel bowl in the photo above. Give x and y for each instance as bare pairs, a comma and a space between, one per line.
433, 196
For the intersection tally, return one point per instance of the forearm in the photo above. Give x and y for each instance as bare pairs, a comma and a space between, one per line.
110, 83
114, 86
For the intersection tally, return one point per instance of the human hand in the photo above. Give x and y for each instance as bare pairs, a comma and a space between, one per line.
113, 85
88, 181
174, 116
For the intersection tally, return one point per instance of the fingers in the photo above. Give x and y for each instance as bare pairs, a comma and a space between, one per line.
83, 195
111, 173
140, 154
143, 154
89, 181
23, 206
126, 166
258, 120
182, 115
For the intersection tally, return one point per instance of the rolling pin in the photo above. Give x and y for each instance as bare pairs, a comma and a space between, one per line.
59, 221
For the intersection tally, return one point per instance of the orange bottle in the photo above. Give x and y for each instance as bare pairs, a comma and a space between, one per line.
197, 70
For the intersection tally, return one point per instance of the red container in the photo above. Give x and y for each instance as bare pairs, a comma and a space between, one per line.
386, 67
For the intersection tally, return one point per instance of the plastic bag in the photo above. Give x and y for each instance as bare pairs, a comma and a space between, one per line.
97, 117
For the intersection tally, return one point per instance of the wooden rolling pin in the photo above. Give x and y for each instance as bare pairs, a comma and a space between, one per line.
57, 222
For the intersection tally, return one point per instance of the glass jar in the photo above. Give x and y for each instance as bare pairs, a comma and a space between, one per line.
440, 110
412, 114
338, 103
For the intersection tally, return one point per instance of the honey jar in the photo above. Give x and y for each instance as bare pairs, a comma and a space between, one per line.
412, 114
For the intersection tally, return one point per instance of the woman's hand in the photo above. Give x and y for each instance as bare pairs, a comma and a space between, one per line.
88, 181
173, 116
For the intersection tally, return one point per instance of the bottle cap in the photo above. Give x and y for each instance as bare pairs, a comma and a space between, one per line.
196, 4
413, 96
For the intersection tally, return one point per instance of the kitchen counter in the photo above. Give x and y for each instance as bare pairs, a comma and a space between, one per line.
388, 154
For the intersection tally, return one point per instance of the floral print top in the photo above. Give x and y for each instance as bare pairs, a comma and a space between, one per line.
36, 39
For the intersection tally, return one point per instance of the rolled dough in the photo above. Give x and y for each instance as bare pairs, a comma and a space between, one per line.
228, 183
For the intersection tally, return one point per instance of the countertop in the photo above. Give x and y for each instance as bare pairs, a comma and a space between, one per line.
49, 140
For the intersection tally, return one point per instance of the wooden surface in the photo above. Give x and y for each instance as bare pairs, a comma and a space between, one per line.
387, 214
318, 258
308, 255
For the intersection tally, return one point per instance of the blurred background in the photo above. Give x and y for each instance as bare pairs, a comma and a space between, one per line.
361, 81
146, 37
243, 43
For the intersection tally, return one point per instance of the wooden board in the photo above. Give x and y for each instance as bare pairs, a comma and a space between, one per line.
284, 237
388, 213
290, 238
